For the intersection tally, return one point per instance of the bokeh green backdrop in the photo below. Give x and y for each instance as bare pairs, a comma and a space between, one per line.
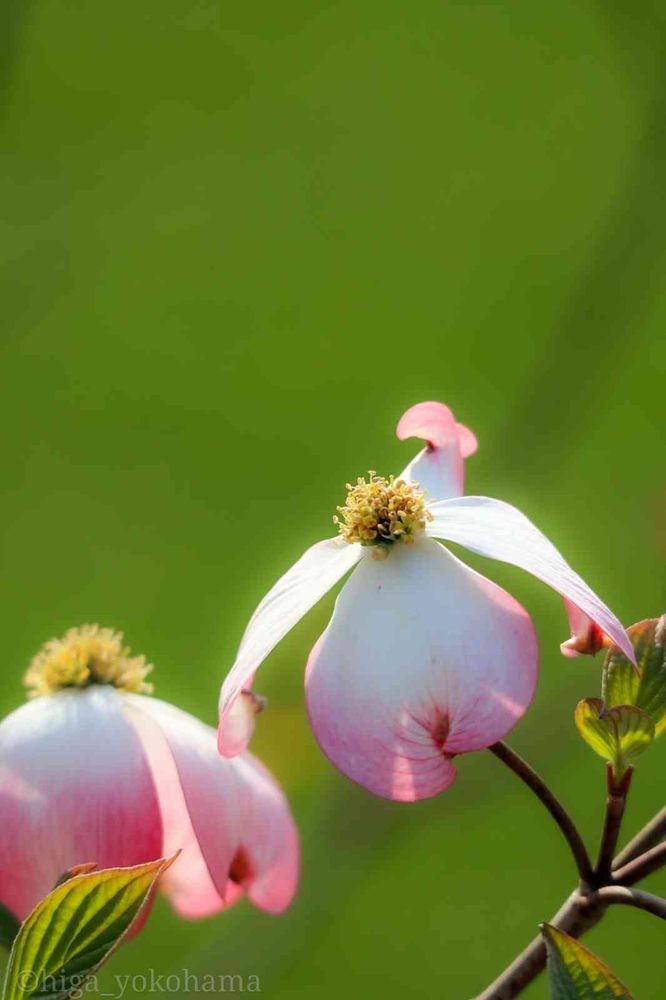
238, 240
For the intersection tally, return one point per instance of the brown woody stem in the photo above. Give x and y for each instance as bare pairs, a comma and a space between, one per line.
620, 895
651, 834
605, 885
642, 866
578, 914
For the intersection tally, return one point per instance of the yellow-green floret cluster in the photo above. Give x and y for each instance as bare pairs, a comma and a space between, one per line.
85, 656
382, 510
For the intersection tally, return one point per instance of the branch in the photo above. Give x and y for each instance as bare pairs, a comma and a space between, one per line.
642, 866
586, 906
578, 914
622, 896
651, 834
569, 829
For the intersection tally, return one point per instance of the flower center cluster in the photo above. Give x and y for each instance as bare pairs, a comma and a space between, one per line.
85, 656
382, 511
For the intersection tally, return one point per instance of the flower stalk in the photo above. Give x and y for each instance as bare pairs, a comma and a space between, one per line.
616, 804
564, 821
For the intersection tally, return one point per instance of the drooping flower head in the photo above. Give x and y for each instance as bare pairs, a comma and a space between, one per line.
92, 770
424, 658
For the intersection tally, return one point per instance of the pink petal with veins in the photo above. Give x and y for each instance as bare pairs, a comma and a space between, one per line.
423, 659
237, 820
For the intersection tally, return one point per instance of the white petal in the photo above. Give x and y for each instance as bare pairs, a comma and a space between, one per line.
498, 530
293, 595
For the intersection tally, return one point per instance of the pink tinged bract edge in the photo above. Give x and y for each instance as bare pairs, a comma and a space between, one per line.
439, 468
497, 530
586, 637
318, 569
188, 884
269, 836
75, 787
423, 658
235, 815
239, 722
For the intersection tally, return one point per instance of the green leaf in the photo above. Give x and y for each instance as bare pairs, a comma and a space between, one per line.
618, 734
621, 685
75, 929
9, 927
575, 973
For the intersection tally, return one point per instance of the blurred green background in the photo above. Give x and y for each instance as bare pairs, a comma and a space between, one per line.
238, 241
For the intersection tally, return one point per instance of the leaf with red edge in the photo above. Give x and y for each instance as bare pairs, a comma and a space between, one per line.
645, 688
75, 929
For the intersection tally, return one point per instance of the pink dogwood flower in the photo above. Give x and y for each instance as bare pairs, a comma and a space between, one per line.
93, 770
423, 658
